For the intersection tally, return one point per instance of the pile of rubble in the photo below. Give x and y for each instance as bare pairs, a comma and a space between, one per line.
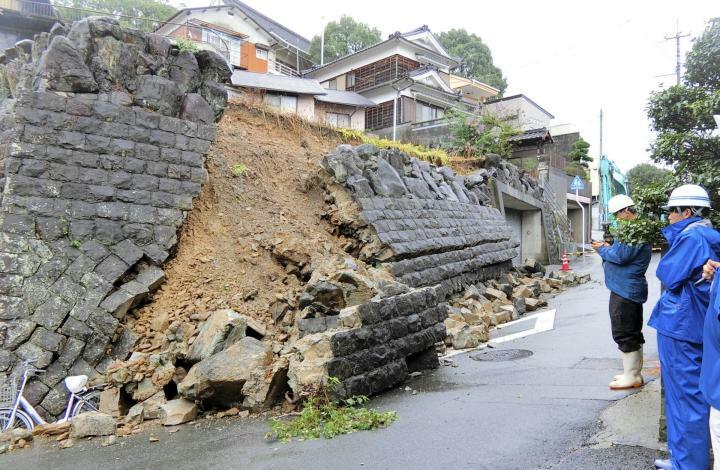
483, 306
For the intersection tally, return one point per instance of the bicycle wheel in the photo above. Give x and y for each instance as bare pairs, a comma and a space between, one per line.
89, 401
22, 420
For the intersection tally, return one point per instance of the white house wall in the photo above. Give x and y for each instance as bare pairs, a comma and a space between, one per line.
235, 22
306, 107
528, 115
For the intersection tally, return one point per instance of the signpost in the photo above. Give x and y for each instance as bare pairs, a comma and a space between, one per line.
577, 185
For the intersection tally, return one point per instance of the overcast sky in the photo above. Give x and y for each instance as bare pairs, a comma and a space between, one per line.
571, 57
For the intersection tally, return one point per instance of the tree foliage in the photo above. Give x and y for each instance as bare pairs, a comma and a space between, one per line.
473, 136
342, 38
579, 153
476, 56
645, 174
143, 12
682, 117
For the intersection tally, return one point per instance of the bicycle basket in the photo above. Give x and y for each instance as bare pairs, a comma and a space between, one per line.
8, 391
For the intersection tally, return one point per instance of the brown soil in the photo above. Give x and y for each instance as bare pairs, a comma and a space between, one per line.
224, 257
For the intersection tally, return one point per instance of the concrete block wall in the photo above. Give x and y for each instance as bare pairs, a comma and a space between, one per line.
99, 166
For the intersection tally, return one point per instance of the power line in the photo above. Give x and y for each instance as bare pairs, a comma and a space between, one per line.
677, 49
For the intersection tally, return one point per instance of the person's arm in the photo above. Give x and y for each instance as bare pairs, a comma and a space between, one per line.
684, 260
619, 253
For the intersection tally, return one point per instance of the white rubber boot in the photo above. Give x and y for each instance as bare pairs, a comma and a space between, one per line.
616, 377
631, 378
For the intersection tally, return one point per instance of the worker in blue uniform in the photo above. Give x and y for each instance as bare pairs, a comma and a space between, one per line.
710, 370
625, 266
678, 318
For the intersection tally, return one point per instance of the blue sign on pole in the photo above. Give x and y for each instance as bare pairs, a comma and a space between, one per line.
577, 184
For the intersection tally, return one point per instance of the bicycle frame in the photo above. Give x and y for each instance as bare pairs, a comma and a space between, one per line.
21, 402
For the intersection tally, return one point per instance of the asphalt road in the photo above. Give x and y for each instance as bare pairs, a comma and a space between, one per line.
540, 411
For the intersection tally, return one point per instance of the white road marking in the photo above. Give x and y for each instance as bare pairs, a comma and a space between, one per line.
545, 321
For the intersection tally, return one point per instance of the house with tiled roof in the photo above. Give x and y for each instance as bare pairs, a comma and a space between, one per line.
249, 39
410, 77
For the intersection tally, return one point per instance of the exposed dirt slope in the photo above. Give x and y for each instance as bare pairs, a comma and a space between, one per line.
261, 198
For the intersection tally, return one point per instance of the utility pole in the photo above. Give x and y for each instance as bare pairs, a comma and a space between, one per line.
601, 132
677, 38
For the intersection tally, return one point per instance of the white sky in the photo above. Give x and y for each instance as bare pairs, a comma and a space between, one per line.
571, 57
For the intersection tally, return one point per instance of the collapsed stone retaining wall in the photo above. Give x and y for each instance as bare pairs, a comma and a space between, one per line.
431, 234
436, 230
104, 132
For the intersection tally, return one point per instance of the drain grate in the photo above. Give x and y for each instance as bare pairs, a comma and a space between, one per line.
497, 355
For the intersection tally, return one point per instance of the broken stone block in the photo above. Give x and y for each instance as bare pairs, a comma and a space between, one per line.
519, 304
93, 423
151, 277
177, 412
511, 310
308, 365
152, 406
135, 414
113, 402
470, 337
220, 330
221, 377
495, 294
532, 304
501, 317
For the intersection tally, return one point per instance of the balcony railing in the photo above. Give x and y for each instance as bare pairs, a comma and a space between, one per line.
36, 9
283, 69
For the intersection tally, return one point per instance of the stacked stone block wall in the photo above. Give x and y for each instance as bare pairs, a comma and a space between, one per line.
376, 355
102, 152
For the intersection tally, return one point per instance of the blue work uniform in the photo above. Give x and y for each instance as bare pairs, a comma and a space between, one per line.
625, 267
678, 318
710, 372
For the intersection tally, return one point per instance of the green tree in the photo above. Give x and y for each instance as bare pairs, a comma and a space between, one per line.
474, 136
682, 117
645, 174
579, 153
476, 56
342, 38
139, 14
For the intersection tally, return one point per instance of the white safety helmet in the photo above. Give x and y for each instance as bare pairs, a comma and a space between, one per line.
619, 202
688, 195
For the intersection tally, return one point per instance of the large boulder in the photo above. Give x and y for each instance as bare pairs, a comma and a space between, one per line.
185, 72
213, 66
62, 68
220, 330
177, 412
92, 424
195, 108
220, 378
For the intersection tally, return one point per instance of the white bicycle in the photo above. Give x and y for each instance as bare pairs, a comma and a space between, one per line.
17, 412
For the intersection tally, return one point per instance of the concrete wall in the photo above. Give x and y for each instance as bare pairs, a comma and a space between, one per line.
533, 236
306, 107
514, 219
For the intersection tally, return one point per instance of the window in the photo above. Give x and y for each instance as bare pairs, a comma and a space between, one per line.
283, 103
425, 112
332, 84
338, 119
261, 53
350, 80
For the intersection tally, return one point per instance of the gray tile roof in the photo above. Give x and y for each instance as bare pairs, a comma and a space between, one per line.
266, 81
349, 98
272, 26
